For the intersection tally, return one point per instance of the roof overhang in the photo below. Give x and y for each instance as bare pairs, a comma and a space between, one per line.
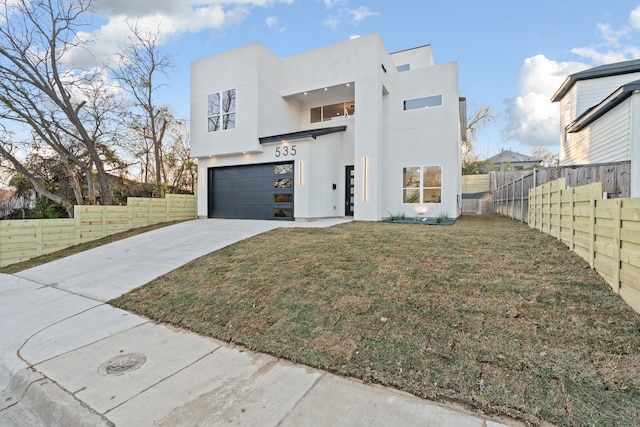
610, 102
311, 133
615, 69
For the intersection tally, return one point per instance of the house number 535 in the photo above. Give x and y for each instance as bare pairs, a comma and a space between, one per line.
286, 151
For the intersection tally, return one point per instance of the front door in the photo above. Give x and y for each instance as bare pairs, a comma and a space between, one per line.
350, 179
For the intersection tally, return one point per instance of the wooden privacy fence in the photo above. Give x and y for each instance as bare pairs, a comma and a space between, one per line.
511, 189
512, 199
21, 240
605, 233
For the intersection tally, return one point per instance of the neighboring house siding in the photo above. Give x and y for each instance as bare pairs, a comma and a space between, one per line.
607, 139
572, 99
567, 115
591, 92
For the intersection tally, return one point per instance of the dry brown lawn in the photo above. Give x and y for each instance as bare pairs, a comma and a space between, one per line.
486, 312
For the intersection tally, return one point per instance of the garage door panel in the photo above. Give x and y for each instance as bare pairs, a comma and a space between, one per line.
244, 199
248, 185
252, 191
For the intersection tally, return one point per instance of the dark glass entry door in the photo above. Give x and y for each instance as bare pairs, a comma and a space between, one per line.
350, 179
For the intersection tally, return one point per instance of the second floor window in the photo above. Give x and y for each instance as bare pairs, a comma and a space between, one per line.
341, 110
426, 102
221, 110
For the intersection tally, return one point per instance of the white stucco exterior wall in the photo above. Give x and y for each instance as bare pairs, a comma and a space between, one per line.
274, 97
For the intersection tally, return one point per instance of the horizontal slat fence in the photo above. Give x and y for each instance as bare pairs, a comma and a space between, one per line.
472, 184
605, 233
510, 189
21, 240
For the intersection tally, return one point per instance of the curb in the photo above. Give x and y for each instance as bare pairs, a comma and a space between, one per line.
31, 399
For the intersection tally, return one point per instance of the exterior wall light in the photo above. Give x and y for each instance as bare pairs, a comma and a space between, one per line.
300, 173
365, 172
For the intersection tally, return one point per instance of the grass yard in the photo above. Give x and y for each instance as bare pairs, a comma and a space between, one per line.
487, 312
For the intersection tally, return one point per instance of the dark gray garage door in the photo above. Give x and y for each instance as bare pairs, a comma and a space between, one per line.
252, 192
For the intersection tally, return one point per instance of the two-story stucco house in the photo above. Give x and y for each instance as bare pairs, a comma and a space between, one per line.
600, 117
345, 130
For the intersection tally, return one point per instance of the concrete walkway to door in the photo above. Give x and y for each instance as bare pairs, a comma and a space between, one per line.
68, 358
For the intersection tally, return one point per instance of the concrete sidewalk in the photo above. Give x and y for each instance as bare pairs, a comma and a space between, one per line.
68, 358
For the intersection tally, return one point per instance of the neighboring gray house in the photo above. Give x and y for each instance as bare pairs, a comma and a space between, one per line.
507, 160
600, 117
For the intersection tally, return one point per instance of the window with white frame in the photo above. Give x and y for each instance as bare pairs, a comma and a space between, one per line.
221, 110
424, 102
403, 67
422, 184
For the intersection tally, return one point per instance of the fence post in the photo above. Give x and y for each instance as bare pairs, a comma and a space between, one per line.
150, 210
513, 199
617, 226
104, 220
532, 221
572, 192
130, 214
77, 214
593, 192
559, 187
522, 200
39, 237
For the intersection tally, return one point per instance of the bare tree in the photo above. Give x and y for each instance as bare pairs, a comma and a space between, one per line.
545, 156
64, 107
141, 64
481, 117
180, 169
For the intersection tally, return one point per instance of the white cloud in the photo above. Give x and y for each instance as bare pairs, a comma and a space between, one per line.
613, 45
598, 57
168, 17
634, 18
272, 23
348, 16
361, 13
531, 118
333, 3
9, 7
612, 37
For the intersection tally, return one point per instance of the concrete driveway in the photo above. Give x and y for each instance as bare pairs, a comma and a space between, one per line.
68, 358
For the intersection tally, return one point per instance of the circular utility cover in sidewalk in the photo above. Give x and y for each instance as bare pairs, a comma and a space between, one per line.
122, 364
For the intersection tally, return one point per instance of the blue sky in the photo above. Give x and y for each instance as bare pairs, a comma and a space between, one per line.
512, 55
